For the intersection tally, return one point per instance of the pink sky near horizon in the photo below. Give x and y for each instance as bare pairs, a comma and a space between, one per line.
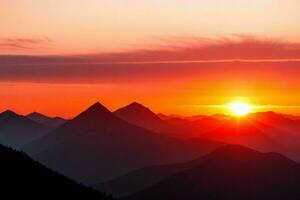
175, 56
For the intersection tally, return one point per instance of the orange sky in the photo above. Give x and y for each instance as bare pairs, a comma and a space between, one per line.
175, 56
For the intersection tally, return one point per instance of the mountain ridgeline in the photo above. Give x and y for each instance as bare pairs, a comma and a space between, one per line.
135, 154
100, 146
45, 120
17, 130
230, 173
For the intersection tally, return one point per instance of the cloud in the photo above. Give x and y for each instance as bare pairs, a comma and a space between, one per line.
176, 50
196, 57
23, 43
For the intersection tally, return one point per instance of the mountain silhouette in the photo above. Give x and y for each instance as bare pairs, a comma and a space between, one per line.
97, 146
186, 129
195, 117
165, 117
231, 172
20, 174
47, 121
140, 179
17, 130
266, 131
183, 128
142, 116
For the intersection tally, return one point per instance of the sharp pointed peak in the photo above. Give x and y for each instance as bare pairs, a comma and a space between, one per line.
93, 113
96, 108
134, 106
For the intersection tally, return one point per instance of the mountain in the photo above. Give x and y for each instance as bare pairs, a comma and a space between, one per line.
140, 179
17, 130
20, 174
142, 116
166, 117
195, 117
232, 172
47, 121
266, 131
221, 116
293, 117
184, 128
97, 146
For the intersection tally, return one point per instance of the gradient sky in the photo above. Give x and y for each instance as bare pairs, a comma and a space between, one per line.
175, 56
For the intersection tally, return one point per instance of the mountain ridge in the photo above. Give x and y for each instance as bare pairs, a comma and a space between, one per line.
229, 173
107, 146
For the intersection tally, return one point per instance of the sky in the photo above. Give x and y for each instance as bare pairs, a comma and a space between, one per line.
174, 56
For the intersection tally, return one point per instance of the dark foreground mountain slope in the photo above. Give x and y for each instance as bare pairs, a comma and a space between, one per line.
97, 146
231, 173
18, 173
45, 120
17, 130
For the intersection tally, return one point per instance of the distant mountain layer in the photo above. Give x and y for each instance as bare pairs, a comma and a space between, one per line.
97, 146
17, 130
231, 172
47, 121
18, 173
266, 131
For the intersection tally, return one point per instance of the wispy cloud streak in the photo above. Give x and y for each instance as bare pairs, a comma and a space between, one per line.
23, 43
197, 58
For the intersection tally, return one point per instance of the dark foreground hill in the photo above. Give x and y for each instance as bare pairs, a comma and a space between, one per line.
20, 174
231, 173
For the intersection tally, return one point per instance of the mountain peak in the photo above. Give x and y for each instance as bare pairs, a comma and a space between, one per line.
96, 107
9, 113
136, 110
94, 111
135, 107
137, 114
37, 115
136, 103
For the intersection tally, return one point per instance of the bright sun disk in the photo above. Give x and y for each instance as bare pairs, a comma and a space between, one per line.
240, 108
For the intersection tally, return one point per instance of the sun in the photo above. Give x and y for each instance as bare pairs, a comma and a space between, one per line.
239, 108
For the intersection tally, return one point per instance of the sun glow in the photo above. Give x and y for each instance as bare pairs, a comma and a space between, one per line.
239, 108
